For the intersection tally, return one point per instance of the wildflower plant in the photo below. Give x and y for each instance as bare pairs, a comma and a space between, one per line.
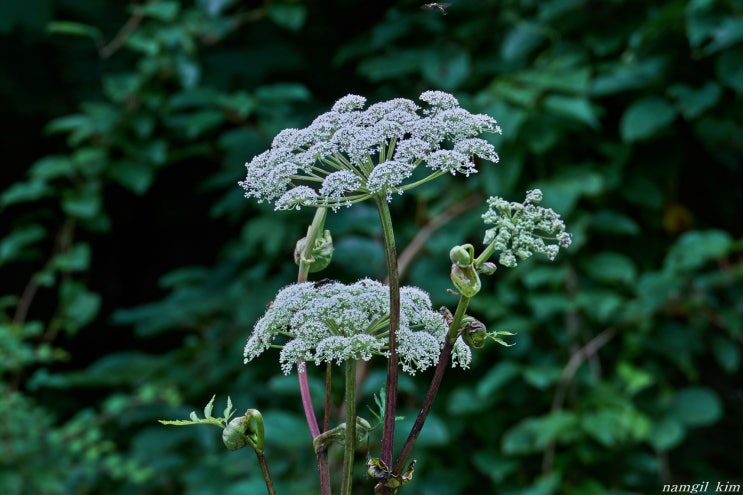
345, 156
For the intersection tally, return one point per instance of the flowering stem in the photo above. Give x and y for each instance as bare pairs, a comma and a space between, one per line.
304, 387
349, 448
388, 434
433, 388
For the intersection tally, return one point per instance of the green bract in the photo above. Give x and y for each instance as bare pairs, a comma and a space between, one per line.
348, 155
335, 322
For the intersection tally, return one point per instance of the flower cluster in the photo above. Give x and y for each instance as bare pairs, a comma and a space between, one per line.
334, 322
522, 229
349, 154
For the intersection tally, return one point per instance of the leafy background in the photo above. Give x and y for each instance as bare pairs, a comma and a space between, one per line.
132, 269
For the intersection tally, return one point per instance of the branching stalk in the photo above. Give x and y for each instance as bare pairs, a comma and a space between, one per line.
433, 388
388, 434
305, 261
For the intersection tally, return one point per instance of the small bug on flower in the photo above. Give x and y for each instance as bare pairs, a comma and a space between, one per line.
324, 281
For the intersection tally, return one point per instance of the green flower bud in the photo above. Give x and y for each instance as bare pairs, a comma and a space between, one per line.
321, 254
474, 332
462, 255
487, 268
245, 430
465, 279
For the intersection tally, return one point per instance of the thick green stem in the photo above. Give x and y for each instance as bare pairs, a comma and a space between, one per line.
305, 259
388, 434
349, 448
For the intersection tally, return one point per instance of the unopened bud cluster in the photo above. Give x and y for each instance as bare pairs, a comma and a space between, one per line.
522, 229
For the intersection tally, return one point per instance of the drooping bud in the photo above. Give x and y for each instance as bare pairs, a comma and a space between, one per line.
245, 430
321, 254
463, 255
474, 332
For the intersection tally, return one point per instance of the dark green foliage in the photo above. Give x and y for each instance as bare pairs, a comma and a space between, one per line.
133, 270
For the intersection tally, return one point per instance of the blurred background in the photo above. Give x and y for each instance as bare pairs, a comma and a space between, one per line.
132, 269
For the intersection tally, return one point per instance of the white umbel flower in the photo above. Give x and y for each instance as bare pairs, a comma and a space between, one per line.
333, 322
350, 154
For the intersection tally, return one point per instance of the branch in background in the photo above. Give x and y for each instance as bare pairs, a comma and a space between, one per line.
124, 33
450, 212
586, 352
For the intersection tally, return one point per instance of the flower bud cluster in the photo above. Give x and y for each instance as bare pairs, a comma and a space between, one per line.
334, 322
522, 229
349, 154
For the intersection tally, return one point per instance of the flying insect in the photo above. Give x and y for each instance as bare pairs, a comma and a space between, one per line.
431, 6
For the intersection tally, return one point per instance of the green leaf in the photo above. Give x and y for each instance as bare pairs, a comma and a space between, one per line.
520, 41
78, 304
51, 167
121, 86
82, 204
542, 376
563, 191
612, 222
693, 102
729, 68
21, 192
241, 103
208, 408
696, 406
654, 289
629, 76
135, 176
283, 92
13, 245
288, 15
604, 306
286, 429
194, 124
229, 410
615, 426
497, 377
447, 69
74, 28
464, 401
161, 10
533, 434
635, 379
75, 259
215, 7
695, 249
90, 161
727, 354
612, 268
645, 118
576, 108
666, 434
726, 33
495, 466
391, 66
